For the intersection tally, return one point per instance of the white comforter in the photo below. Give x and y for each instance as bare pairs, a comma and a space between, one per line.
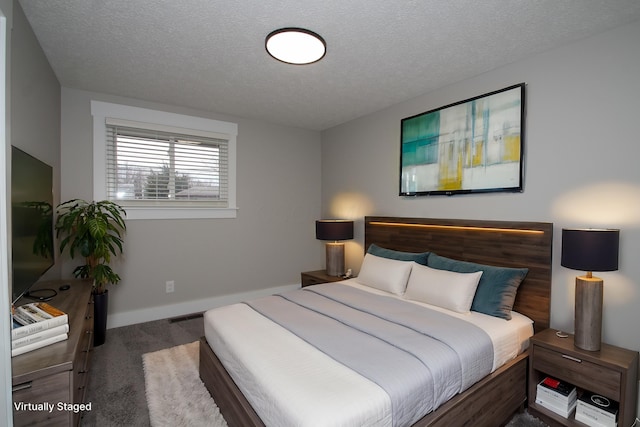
290, 383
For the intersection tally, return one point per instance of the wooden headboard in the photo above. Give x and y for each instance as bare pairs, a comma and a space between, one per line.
499, 243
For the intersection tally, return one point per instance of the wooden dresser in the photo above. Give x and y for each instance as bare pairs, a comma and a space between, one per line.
57, 374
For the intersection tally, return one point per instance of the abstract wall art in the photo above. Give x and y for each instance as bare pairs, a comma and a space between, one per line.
471, 146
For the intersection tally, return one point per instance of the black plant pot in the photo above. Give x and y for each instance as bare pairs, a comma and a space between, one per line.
100, 305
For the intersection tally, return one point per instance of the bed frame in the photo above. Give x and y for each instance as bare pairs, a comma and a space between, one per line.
491, 401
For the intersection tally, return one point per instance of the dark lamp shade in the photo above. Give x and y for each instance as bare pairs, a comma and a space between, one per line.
330, 229
590, 249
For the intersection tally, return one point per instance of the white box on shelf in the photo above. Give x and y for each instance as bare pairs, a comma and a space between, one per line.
596, 410
563, 411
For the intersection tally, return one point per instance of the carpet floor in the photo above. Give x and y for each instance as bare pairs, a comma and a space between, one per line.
117, 381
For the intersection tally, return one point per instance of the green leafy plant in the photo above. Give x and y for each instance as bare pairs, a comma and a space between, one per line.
92, 230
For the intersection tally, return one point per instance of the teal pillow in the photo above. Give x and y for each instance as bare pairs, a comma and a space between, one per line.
497, 289
420, 258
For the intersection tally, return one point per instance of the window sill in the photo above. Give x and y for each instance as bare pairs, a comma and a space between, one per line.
137, 212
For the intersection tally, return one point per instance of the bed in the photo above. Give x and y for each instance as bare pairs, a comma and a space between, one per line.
486, 401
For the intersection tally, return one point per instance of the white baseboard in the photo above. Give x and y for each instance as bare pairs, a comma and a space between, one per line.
180, 309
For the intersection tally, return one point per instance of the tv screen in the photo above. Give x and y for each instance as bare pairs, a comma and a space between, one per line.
472, 146
31, 220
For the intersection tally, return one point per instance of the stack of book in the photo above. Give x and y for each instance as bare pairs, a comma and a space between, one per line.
37, 325
557, 396
597, 411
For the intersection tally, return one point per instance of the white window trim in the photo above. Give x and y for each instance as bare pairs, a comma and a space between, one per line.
103, 110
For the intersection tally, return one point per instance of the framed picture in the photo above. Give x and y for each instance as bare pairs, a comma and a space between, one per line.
472, 146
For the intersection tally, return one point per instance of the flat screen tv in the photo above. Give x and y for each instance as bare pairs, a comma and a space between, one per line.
471, 146
31, 220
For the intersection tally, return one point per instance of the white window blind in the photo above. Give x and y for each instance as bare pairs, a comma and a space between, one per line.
158, 166
162, 165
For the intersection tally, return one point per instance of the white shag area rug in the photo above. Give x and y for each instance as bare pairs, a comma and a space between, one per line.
176, 395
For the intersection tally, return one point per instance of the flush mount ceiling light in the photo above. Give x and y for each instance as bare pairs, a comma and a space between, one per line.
295, 46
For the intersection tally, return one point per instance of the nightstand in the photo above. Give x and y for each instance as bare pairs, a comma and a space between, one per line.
319, 276
611, 372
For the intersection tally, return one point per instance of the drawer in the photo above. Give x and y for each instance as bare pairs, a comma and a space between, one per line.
579, 372
310, 280
82, 359
51, 389
81, 365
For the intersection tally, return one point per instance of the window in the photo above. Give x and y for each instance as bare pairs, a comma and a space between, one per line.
162, 165
147, 167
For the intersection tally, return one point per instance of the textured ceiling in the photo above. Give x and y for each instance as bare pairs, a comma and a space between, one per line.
209, 54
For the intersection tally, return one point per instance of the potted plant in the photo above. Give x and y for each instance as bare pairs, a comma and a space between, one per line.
93, 230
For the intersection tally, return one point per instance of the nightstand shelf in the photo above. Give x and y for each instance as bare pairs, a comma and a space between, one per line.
318, 276
611, 372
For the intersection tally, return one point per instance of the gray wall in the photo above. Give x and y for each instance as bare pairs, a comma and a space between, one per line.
35, 103
582, 151
269, 243
35, 97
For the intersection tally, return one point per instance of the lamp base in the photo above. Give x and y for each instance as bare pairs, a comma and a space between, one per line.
588, 313
335, 259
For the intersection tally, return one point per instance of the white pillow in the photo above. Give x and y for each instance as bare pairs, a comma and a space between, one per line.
446, 289
385, 274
